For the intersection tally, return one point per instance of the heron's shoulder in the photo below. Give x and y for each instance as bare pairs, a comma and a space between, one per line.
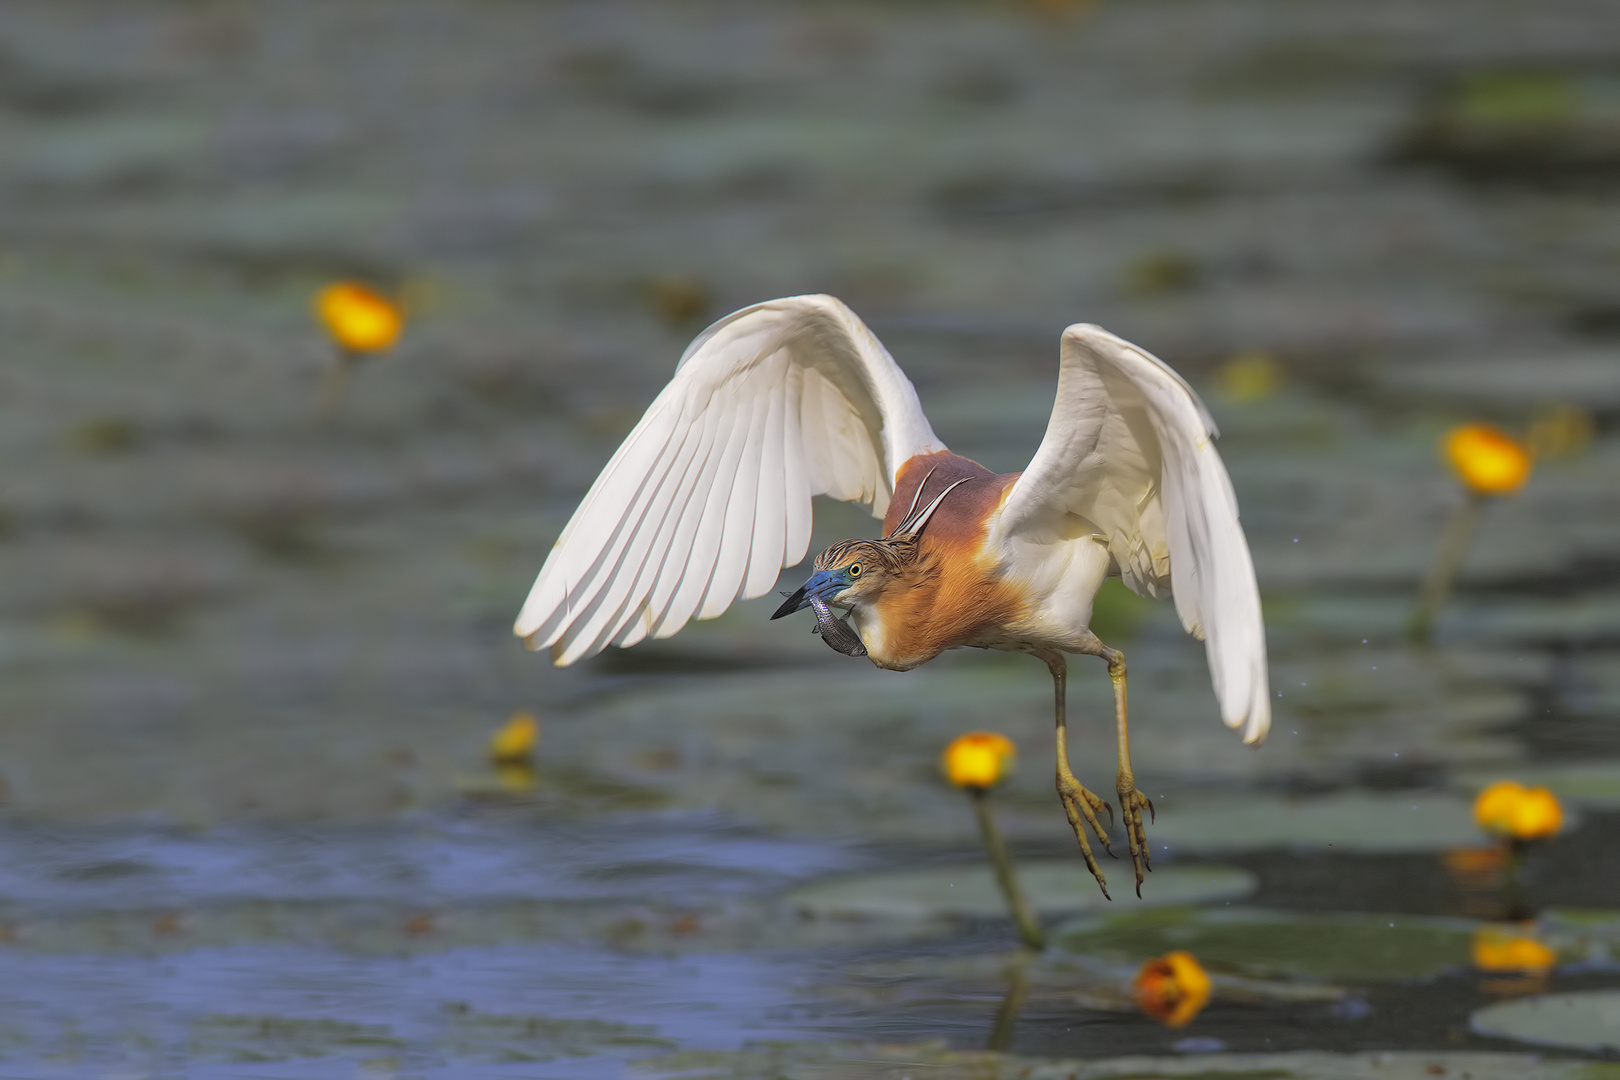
961, 518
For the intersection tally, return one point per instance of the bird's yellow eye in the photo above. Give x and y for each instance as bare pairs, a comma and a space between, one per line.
854, 570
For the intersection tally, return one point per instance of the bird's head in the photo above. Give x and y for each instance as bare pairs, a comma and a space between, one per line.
853, 573
849, 574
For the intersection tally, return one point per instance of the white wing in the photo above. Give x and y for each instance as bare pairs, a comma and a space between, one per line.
709, 497
1129, 450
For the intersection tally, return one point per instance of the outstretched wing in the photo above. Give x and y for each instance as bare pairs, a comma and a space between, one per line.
709, 497
1130, 451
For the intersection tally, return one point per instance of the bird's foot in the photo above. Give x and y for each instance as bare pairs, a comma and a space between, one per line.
1131, 803
1081, 806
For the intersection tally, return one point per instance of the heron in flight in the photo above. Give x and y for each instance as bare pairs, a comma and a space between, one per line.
709, 498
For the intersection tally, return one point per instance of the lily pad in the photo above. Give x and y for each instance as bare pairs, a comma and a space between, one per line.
1270, 943
968, 889
1587, 1020
1351, 821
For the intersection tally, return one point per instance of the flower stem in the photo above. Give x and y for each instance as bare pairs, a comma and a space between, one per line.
1437, 586
1029, 929
335, 382
1513, 902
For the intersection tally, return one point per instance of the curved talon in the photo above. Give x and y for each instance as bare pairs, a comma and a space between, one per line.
1079, 805
1131, 802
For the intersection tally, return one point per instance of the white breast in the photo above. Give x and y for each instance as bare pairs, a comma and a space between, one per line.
1063, 578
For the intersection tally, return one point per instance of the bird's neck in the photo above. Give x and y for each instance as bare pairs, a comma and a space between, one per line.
926, 608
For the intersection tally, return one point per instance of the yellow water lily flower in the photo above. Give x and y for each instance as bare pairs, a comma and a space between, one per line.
359, 318
979, 759
1510, 810
514, 743
1487, 459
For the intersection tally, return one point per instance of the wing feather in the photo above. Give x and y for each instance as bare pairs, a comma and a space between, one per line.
737, 538
672, 571
1130, 451
819, 434
635, 615
699, 567
796, 485
770, 509
595, 551
710, 493
616, 576
585, 541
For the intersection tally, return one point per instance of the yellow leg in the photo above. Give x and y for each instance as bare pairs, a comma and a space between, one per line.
1080, 805
1131, 801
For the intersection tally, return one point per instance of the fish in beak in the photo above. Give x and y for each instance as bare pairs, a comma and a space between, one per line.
836, 632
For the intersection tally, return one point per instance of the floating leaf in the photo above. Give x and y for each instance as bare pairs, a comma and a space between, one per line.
1588, 1020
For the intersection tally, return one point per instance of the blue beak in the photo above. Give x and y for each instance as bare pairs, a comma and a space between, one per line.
822, 584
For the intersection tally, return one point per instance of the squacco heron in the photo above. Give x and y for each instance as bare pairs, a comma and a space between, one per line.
709, 498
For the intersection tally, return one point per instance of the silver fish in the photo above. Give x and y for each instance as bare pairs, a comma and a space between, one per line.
834, 631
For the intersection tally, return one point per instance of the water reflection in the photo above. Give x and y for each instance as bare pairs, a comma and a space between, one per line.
1006, 1019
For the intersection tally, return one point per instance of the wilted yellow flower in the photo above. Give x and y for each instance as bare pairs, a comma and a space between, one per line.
1559, 431
1487, 460
514, 743
359, 318
979, 759
1509, 809
1510, 948
1249, 376
1172, 988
